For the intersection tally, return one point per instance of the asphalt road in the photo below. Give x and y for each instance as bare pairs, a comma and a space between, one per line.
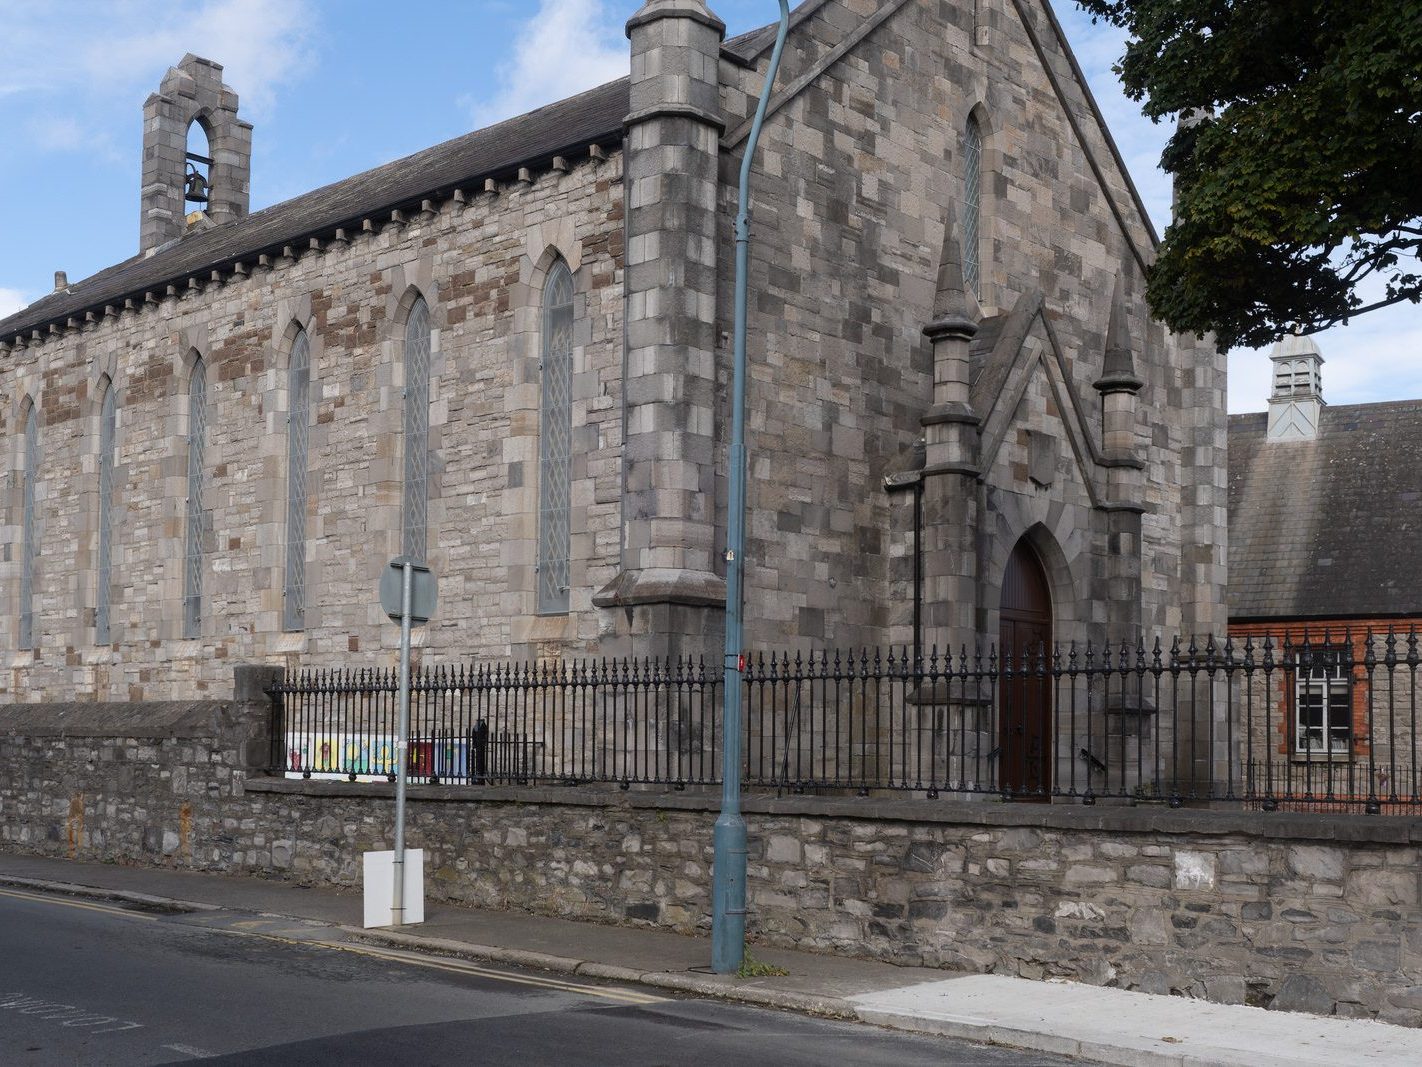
83, 982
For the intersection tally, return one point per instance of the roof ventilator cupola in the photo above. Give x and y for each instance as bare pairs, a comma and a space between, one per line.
1296, 401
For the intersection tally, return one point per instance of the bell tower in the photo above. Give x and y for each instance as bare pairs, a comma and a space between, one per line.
194, 146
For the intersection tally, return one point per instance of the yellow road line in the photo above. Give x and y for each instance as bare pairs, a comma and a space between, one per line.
629, 996
87, 906
245, 928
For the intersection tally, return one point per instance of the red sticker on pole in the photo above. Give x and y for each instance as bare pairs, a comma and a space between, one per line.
741, 663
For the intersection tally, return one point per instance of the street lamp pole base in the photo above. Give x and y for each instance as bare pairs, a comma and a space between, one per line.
728, 892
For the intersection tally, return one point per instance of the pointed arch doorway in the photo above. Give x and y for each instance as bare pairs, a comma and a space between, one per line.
1025, 695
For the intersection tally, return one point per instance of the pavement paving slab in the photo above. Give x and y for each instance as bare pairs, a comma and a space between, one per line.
1066, 1018
1115, 1025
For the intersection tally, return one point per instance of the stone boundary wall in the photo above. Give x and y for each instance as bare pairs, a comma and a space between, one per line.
138, 782
1286, 910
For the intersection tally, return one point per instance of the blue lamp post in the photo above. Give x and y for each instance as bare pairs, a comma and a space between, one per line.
728, 887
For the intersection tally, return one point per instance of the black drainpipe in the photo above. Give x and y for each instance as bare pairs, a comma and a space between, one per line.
918, 572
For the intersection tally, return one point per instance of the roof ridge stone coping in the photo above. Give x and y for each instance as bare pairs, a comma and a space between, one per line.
744, 49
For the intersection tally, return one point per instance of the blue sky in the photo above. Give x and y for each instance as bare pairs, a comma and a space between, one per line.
337, 86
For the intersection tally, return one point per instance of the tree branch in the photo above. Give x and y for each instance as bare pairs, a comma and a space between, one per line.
1334, 320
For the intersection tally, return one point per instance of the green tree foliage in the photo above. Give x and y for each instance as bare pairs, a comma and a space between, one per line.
1298, 170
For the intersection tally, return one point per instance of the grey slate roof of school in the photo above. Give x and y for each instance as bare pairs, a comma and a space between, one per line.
1329, 528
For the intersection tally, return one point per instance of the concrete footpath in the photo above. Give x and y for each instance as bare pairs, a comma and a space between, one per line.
1068, 1018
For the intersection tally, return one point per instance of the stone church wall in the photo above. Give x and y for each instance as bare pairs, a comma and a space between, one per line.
858, 173
480, 268
851, 192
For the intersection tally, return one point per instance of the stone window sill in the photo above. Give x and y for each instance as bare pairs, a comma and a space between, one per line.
1324, 758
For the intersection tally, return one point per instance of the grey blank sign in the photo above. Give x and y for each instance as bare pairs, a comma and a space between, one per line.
424, 590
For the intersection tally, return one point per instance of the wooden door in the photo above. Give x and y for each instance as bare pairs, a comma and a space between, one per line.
1025, 695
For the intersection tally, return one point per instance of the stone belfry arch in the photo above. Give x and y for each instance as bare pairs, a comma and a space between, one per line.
192, 92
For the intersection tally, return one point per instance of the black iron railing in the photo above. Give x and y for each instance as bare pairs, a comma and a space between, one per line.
1322, 722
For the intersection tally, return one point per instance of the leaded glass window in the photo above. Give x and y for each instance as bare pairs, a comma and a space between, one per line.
414, 512
196, 517
555, 441
108, 416
972, 205
298, 433
29, 548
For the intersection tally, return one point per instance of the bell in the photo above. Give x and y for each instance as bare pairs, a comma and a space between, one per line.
196, 190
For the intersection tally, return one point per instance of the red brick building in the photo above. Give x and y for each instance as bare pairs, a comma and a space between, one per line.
1326, 581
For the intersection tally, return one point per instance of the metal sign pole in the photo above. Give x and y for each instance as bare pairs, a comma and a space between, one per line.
402, 744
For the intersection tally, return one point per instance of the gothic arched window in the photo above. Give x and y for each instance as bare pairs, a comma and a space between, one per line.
103, 564
29, 532
972, 205
298, 434
555, 441
193, 558
414, 520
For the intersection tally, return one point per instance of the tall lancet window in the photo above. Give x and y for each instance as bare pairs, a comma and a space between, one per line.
193, 559
555, 441
108, 440
29, 532
298, 434
414, 511
972, 205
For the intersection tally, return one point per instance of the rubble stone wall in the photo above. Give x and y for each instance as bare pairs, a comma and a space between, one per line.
1288, 910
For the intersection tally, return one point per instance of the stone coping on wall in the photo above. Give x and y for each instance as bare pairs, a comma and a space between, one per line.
1295, 826
139, 720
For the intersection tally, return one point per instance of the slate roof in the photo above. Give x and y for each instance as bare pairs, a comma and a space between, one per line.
1329, 528
562, 128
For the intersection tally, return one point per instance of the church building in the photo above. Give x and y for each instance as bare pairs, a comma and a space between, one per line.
509, 354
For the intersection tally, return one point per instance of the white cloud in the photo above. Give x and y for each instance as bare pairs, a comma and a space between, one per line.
261, 45
114, 50
564, 47
59, 133
11, 301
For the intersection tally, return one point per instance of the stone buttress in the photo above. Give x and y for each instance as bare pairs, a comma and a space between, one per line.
668, 597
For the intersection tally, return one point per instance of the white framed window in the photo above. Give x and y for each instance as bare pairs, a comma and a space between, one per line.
1323, 702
